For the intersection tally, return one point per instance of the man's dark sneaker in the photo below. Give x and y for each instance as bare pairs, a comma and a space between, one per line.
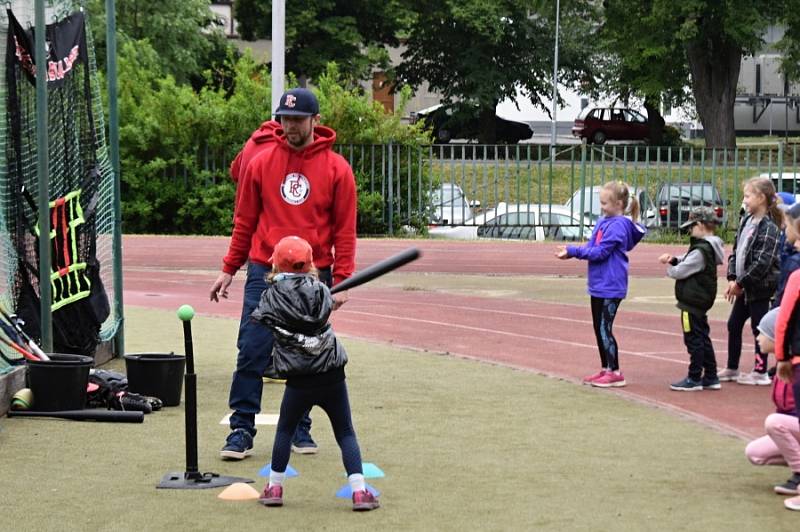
790, 486
305, 446
272, 496
238, 446
686, 385
364, 501
711, 384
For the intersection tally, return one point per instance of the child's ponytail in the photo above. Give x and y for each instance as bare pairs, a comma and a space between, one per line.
634, 209
775, 212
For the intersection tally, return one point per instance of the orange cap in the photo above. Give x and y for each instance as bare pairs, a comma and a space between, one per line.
292, 255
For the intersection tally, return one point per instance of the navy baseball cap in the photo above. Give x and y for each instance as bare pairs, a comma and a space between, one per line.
297, 102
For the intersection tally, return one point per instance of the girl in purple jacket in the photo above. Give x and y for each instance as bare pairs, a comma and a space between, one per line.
613, 236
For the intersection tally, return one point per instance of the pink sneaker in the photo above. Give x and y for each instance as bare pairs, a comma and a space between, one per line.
609, 380
364, 501
592, 378
272, 496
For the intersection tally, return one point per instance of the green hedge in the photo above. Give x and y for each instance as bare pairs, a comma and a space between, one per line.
175, 142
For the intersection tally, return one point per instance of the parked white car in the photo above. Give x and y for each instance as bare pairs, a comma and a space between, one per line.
591, 204
785, 182
520, 222
450, 205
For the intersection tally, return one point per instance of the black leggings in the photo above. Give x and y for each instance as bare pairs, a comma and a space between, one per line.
740, 312
604, 310
333, 400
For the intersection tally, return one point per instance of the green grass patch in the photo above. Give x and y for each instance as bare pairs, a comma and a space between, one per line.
465, 446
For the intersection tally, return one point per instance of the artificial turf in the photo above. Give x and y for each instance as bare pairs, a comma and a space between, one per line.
465, 445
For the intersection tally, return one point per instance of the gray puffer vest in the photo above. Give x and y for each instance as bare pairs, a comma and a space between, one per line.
296, 308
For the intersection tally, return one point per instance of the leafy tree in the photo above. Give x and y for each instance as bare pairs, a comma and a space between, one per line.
637, 60
478, 53
661, 46
351, 33
182, 32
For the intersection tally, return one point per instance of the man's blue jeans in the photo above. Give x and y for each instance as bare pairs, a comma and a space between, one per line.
255, 353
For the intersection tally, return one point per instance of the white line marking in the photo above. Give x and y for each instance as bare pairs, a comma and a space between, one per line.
516, 335
383, 302
261, 419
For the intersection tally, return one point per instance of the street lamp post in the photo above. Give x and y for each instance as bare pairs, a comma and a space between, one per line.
555, 88
278, 50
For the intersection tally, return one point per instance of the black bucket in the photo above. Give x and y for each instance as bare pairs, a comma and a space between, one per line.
59, 383
157, 375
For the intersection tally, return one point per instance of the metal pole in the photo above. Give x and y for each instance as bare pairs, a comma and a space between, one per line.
278, 50
113, 145
42, 173
786, 109
555, 87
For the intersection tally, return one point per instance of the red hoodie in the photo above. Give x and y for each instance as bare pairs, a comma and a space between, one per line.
254, 145
310, 193
784, 328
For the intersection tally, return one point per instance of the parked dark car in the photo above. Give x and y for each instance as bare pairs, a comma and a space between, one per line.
451, 122
675, 200
599, 124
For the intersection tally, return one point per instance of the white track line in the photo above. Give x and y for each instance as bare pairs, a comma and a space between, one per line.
515, 335
617, 326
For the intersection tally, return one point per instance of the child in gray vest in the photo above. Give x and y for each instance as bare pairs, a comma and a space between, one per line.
695, 275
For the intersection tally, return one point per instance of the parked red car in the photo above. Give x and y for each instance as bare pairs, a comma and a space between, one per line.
603, 123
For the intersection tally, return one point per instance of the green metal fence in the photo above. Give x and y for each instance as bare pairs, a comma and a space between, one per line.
454, 185
465, 184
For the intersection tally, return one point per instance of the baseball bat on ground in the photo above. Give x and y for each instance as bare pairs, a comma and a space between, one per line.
117, 416
379, 268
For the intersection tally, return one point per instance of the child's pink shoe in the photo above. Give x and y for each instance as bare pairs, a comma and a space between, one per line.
592, 378
611, 379
364, 501
272, 496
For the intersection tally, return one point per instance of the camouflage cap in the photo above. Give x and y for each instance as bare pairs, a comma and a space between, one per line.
705, 215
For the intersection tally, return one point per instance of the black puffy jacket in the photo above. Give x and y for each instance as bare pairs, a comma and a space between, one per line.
296, 308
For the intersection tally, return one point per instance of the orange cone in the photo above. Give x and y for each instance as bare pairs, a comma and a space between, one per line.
239, 491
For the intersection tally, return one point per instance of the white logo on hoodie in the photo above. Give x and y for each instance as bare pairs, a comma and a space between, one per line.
295, 189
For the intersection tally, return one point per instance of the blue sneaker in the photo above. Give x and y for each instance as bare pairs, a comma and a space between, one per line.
238, 446
711, 384
687, 385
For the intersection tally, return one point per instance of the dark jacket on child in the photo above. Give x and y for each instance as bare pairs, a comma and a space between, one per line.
760, 278
695, 274
296, 308
790, 261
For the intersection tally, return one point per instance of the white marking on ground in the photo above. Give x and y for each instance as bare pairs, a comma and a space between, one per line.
515, 335
261, 419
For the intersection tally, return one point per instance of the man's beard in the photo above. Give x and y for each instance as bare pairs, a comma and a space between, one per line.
302, 138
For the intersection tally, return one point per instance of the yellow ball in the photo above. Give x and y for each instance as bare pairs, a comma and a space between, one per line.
22, 400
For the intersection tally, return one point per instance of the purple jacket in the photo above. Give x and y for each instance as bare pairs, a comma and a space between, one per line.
606, 252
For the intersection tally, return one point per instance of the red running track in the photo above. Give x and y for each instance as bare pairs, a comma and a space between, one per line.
554, 339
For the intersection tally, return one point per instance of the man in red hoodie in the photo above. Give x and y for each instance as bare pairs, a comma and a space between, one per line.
289, 182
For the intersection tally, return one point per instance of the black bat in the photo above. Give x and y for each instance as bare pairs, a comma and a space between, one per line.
379, 268
117, 416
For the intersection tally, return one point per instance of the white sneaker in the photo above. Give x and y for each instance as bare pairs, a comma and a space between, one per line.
727, 375
792, 504
754, 379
